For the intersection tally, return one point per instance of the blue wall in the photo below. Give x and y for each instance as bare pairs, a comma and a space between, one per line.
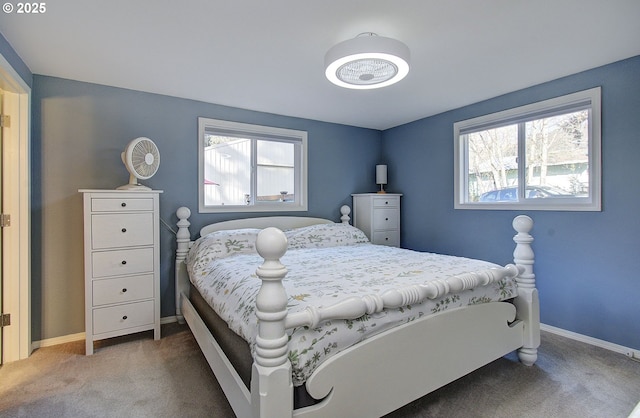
587, 263
79, 131
15, 61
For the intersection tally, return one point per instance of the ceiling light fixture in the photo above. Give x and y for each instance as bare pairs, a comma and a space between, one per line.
367, 61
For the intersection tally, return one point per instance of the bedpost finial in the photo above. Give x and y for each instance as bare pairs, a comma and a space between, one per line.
345, 210
522, 224
183, 212
271, 243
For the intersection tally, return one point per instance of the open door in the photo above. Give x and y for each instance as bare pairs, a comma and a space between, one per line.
2, 221
15, 267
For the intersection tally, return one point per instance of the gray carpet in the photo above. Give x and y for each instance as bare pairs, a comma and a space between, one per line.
135, 376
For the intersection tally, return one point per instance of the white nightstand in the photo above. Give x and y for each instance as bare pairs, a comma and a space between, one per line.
121, 263
378, 216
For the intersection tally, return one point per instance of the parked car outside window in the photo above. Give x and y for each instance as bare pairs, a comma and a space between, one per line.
510, 194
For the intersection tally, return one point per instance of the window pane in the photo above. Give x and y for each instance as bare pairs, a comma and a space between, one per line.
557, 162
227, 170
557, 156
250, 168
276, 174
492, 164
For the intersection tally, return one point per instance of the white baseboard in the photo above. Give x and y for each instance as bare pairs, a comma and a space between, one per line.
48, 342
629, 352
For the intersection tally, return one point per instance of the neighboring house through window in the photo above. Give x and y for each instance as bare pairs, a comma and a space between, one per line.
543, 156
251, 168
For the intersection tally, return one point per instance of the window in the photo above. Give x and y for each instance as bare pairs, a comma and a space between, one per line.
251, 168
543, 156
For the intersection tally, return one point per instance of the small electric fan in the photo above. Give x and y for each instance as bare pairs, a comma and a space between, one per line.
142, 159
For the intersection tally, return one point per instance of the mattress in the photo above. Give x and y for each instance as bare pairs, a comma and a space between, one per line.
326, 263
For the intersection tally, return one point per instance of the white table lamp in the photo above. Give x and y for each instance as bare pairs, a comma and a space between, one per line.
381, 176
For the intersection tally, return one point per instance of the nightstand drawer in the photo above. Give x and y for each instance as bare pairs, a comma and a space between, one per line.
121, 263
121, 230
122, 289
386, 202
386, 219
119, 317
391, 238
121, 205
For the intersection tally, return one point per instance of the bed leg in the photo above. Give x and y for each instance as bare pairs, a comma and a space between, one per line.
271, 385
527, 303
528, 308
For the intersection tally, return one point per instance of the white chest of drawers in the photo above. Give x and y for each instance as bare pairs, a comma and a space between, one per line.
378, 216
121, 263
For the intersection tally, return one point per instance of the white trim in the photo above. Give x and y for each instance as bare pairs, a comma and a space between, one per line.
16, 188
590, 99
629, 352
636, 412
48, 342
256, 131
168, 319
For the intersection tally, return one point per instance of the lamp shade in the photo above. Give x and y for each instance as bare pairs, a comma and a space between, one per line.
367, 61
381, 174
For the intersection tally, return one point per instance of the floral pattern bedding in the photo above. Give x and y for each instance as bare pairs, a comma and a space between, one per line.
326, 263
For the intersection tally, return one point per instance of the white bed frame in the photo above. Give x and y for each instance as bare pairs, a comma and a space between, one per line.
388, 370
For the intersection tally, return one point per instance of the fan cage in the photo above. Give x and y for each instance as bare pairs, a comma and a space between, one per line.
144, 159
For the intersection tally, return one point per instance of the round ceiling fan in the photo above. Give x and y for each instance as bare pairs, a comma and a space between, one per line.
142, 159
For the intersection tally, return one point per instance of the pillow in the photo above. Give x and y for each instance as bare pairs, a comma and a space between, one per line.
220, 244
325, 235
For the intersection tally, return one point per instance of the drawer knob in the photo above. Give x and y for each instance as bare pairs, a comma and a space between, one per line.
124, 262
123, 204
124, 230
386, 203
386, 219
124, 290
386, 239
124, 318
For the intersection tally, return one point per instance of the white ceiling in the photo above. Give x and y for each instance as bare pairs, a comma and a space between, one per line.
268, 55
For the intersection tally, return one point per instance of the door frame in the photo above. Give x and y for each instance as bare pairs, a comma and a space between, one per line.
16, 188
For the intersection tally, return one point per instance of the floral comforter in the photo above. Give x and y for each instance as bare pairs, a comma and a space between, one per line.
326, 263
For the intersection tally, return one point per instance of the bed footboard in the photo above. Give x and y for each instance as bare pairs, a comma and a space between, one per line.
412, 360
271, 378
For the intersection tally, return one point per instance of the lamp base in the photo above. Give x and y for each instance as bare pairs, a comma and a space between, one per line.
382, 192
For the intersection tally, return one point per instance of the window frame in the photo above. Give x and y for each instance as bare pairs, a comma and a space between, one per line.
256, 132
587, 99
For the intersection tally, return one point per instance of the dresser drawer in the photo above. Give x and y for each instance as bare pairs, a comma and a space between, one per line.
122, 262
122, 289
121, 205
386, 219
121, 230
119, 317
391, 238
386, 202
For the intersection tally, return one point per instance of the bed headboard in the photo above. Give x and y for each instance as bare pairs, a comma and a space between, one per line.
280, 222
